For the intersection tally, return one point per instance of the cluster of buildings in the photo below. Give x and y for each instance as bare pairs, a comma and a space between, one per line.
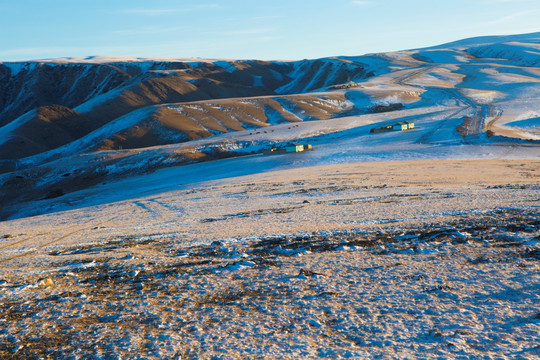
400, 126
293, 148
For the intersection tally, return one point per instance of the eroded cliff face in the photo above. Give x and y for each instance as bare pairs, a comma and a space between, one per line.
26, 86
40, 101
44, 128
47, 105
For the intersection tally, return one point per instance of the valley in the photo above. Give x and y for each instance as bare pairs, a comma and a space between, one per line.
141, 218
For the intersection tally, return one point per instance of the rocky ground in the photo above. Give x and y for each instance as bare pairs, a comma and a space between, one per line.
433, 259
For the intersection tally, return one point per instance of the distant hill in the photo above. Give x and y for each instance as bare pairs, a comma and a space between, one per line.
113, 117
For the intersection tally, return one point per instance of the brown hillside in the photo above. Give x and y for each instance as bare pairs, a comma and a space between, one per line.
181, 122
56, 125
51, 127
39, 84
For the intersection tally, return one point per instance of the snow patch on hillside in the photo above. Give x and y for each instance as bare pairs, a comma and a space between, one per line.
529, 121
7, 130
99, 100
93, 139
532, 124
483, 96
226, 65
18, 67
516, 52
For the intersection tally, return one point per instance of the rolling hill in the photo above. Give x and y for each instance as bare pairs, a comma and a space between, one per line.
75, 122
143, 216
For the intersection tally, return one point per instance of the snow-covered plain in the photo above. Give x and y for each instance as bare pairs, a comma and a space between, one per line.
416, 259
414, 244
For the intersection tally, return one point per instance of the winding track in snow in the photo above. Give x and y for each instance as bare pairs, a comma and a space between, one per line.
50, 242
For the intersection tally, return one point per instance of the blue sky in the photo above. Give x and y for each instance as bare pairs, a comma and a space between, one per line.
249, 29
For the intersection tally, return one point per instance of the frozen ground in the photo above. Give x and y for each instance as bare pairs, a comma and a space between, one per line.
421, 259
420, 244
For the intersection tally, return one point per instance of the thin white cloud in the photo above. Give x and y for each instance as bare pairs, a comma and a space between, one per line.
268, 17
244, 32
162, 11
150, 12
506, 1
149, 30
165, 11
206, 6
509, 18
29, 51
359, 2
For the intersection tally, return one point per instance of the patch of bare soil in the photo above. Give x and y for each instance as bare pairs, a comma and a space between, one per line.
464, 127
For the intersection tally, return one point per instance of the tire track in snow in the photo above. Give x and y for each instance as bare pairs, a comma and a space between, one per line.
411, 74
48, 243
425, 139
497, 116
159, 209
482, 112
477, 121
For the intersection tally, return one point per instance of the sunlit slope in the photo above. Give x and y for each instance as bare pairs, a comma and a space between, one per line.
471, 99
104, 92
52, 103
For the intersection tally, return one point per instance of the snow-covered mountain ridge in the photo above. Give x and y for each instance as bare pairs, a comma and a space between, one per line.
142, 217
109, 117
